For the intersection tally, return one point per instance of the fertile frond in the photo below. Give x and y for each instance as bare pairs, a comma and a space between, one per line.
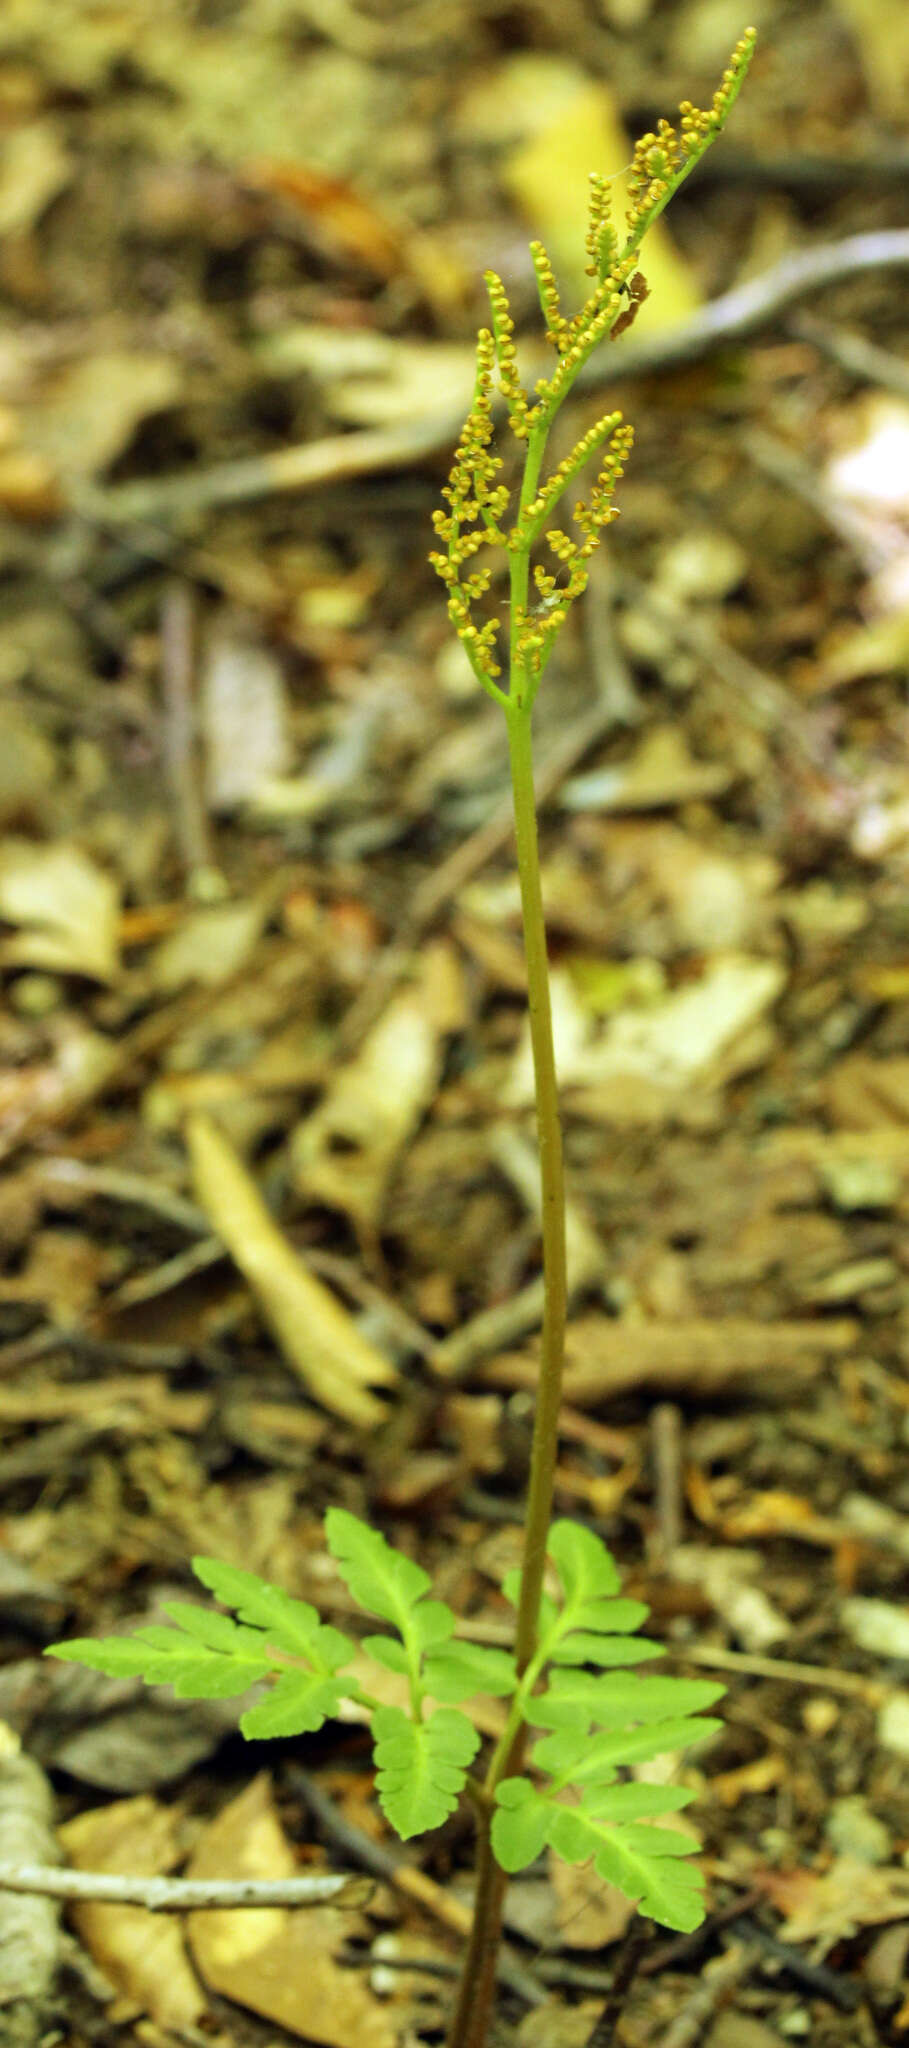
556, 326
542, 506
662, 160
506, 357
421, 1766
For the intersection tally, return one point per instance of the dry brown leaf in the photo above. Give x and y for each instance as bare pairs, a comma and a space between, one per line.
279, 1963
317, 1336
830, 1907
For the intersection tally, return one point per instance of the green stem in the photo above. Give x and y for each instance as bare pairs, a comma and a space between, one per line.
552, 1184
477, 1987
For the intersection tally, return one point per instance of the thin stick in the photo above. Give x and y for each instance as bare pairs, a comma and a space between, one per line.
853, 1683
183, 1894
179, 727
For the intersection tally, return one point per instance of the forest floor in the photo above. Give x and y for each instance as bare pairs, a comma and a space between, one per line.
259, 939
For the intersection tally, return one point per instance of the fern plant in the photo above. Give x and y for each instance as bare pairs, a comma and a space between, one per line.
601, 1720
575, 1671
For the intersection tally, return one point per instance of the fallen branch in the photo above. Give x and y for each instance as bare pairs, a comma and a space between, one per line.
731, 318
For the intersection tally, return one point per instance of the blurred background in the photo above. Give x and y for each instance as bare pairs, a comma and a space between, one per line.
268, 1225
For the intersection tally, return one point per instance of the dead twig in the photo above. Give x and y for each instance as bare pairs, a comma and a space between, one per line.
179, 736
629, 1962
872, 542
666, 1448
184, 1894
853, 353
822, 1677
715, 1990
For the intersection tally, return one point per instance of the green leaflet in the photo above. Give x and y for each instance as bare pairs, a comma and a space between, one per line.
209, 1656
645, 1863
527, 1818
392, 1586
607, 1651
386, 1582
291, 1625
520, 1824
586, 1568
421, 1766
297, 1704
616, 1699
165, 1656
609, 1826
458, 1670
388, 1651
578, 1759
589, 1609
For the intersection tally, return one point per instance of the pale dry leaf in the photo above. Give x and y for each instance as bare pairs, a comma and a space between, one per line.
88, 411
877, 1625
590, 1913
825, 1908
344, 1152
29, 1924
882, 39
34, 167
66, 908
368, 379
318, 1338
675, 1043
559, 124
244, 714
661, 771
210, 944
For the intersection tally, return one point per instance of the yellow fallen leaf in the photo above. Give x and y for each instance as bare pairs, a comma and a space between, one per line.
320, 1341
